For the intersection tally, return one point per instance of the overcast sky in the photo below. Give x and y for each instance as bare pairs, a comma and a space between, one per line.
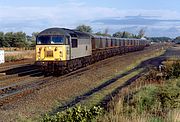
157, 17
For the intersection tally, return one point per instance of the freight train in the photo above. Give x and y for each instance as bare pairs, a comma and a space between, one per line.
60, 50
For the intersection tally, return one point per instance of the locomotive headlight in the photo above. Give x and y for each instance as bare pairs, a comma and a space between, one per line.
60, 53
40, 49
55, 49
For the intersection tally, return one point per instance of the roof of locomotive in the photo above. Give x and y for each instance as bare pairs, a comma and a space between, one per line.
64, 32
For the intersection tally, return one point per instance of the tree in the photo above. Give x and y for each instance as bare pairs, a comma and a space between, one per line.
13, 39
102, 34
84, 28
123, 35
1, 39
34, 35
105, 33
118, 34
19, 39
141, 33
8, 39
159, 39
177, 40
32, 40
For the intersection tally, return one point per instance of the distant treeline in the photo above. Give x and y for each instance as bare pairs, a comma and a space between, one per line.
21, 39
159, 39
17, 39
177, 40
105, 32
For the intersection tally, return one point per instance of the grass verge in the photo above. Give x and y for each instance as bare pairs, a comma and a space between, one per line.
19, 56
148, 99
97, 97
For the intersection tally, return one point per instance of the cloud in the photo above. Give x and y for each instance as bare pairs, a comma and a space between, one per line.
70, 13
73, 13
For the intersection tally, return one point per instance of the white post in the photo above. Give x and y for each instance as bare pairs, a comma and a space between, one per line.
2, 56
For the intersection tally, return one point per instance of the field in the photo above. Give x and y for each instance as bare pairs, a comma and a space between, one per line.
89, 86
11, 56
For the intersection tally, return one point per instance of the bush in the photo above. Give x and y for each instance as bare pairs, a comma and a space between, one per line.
154, 76
142, 100
157, 100
173, 69
168, 97
76, 114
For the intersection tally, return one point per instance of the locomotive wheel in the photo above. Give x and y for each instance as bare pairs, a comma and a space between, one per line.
70, 67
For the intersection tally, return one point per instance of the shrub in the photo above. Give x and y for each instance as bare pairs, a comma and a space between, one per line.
173, 69
154, 76
76, 114
157, 100
168, 97
142, 100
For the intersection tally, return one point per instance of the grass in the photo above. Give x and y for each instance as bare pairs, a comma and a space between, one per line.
148, 102
16, 56
150, 111
16, 48
100, 95
97, 97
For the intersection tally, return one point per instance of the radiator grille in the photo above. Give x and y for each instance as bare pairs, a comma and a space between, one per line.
49, 54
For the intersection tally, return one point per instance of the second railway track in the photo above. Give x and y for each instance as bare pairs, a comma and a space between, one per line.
15, 91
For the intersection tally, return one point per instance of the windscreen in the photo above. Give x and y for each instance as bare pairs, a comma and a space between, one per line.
57, 40
44, 40
50, 40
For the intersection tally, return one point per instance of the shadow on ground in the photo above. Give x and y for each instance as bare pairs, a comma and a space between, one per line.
29, 69
145, 64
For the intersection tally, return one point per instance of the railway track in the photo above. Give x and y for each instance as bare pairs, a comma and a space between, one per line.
17, 79
8, 77
7, 66
27, 85
23, 88
43, 95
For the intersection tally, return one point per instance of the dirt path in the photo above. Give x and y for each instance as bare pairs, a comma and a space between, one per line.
65, 91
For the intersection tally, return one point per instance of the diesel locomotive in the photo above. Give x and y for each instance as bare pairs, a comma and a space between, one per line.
60, 50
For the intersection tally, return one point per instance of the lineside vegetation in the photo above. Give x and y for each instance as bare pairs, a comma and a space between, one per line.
153, 97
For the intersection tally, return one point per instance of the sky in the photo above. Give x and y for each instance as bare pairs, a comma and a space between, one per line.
156, 17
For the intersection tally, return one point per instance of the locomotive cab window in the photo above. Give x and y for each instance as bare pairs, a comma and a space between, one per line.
74, 43
50, 39
43, 40
57, 40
